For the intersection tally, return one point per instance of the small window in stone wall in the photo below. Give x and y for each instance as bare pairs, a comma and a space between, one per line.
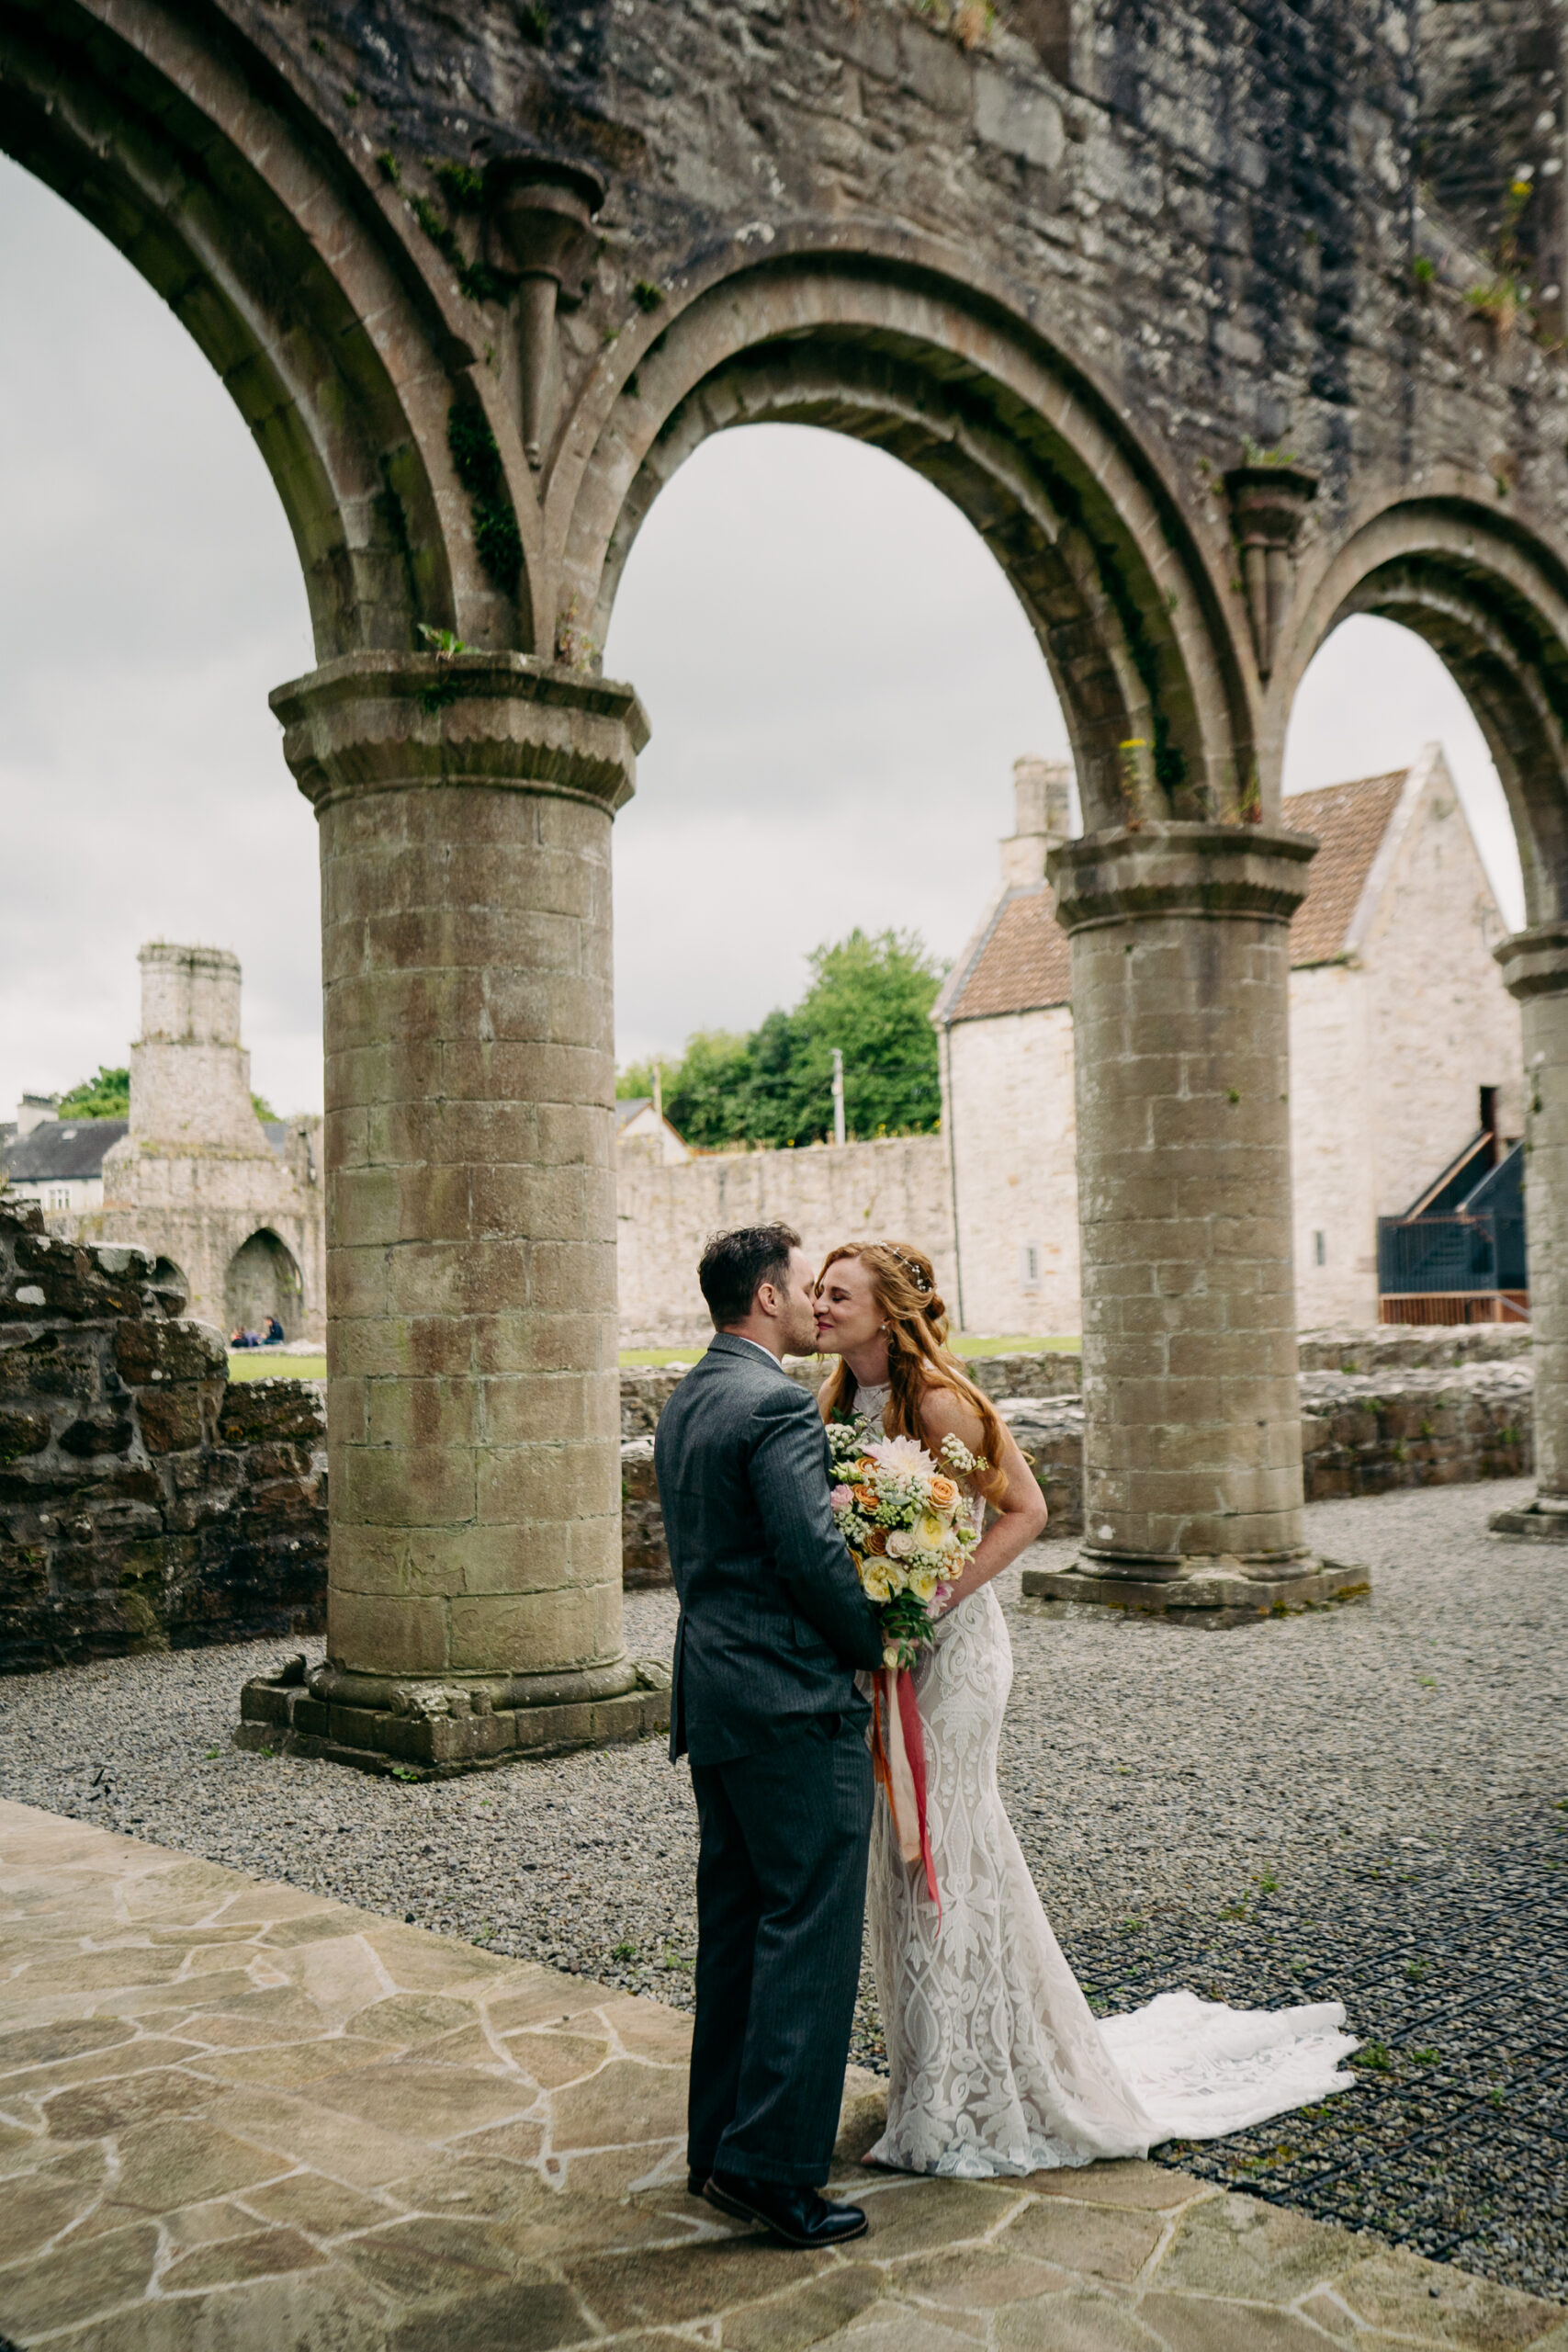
1320, 1248
1029, 1265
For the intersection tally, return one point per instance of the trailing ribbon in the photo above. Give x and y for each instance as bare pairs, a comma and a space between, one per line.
898, 1761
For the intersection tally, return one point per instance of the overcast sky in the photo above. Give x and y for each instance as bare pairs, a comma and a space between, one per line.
837, 674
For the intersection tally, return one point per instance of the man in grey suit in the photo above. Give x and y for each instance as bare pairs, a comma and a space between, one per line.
772, 1624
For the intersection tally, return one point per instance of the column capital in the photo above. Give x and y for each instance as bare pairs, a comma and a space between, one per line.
1179, 869
1535, 962
393, 722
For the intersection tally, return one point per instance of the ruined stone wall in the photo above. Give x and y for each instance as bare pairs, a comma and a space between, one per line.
145, 1503
896, 1189
1492, 74
1014, 1125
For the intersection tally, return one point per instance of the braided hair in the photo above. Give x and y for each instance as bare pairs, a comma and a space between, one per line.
903, 1284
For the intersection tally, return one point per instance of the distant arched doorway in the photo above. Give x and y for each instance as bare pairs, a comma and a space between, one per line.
263, 1280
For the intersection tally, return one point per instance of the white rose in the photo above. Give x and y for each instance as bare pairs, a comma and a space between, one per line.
900, 1544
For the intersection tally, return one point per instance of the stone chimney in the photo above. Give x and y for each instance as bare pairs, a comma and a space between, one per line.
1041, 804
33, 1110
190, 1077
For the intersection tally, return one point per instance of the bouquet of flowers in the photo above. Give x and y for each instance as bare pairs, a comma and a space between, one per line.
899, 1510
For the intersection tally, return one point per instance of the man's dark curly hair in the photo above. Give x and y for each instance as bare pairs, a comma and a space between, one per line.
735, 1264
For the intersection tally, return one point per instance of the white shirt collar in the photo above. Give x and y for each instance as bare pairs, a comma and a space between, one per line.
762, 1351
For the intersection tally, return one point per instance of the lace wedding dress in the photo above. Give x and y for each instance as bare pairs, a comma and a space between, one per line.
998, 2064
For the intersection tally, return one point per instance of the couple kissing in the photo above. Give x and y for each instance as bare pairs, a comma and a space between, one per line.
997, 2064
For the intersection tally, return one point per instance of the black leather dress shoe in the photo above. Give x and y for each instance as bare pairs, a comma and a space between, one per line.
799, 2216
696, 2183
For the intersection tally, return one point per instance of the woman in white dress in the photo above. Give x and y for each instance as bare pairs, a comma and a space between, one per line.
997, 2064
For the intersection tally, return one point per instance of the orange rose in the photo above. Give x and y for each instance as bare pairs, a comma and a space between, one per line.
864, 1496
944, 1493
877, 1542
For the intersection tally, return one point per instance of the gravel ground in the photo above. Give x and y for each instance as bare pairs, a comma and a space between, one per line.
1330, 1802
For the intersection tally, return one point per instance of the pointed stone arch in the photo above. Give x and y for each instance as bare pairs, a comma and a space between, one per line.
903, 352
189, 149
1491, 599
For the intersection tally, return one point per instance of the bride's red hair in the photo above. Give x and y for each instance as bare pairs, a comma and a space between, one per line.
903, 1283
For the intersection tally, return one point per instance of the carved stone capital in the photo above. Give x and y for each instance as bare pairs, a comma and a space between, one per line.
380, 722
1179, 869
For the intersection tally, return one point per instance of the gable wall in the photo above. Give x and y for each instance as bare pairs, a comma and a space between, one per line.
1331, 1166
1440, 1023
1015, 1139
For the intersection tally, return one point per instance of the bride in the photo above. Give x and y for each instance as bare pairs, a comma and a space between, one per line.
997, 2063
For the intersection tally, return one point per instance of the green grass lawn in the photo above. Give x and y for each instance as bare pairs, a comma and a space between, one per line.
965, 1346
260, 1363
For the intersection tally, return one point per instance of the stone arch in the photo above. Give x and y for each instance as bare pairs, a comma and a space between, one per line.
262, 1279
959, 386
196, 158
1492, 601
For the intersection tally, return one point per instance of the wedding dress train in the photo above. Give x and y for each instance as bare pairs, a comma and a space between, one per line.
998, 2064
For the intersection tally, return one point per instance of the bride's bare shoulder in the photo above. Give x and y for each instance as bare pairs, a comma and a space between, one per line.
945, 1413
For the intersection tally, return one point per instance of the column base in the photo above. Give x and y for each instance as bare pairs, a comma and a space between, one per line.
433, 1731
1202, 1592
1544, 1520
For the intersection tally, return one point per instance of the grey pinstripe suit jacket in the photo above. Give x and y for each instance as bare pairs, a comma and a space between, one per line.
773, 1618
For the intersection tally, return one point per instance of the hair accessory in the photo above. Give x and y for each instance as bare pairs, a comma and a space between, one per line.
919, 1280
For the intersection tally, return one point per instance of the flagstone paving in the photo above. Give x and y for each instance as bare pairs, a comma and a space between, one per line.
236, 2117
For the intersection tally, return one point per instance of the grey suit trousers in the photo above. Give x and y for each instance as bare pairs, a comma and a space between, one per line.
781, 1895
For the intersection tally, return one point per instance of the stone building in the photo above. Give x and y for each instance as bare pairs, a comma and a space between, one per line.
1400, 1023
230, 1210
59, 1163
1198, 312
642, 1132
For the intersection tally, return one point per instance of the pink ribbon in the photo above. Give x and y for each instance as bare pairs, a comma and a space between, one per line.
898, 1758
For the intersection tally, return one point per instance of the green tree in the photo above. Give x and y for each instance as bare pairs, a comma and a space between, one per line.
107, 1096
707, 1094
869, 995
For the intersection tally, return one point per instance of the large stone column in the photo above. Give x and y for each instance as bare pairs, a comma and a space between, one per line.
1535, 966
473, 1398
1192, 1446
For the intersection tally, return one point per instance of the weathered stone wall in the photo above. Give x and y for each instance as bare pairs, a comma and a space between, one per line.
1013, 1121
144, 1502
1331, 1159
897, 1188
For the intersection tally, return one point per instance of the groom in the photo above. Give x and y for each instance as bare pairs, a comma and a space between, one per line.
772, 1624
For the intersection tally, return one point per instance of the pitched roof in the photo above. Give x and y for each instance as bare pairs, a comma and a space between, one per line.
61, 1148
628, 1105
1349, 820
1024, 962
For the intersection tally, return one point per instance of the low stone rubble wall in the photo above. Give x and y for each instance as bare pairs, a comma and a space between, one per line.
1362, 1432
1407, 1347
145, 1502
